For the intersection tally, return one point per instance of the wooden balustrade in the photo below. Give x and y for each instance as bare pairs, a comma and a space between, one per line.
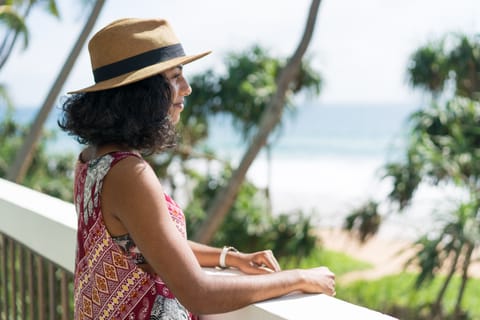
32, 286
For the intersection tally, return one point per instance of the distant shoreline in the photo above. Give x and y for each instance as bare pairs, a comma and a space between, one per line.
326, 160
387, 255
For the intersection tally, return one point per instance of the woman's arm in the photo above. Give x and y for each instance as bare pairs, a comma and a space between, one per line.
249, 263
134, 197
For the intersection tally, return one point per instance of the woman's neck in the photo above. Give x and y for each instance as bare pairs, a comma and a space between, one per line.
94, 152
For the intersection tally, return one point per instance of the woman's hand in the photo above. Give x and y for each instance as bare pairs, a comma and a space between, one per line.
253, 263
319, 280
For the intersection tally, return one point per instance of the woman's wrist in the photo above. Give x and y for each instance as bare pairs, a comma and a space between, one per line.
227, 257
301, 281
295, 280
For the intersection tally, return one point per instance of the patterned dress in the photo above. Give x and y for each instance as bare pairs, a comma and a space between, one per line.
108, 282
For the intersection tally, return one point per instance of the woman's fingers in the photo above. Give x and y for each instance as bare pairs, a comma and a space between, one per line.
266, 259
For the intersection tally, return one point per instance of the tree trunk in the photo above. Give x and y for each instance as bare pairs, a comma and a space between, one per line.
270, 118
24, 156
461, 291
269, 179
437, 306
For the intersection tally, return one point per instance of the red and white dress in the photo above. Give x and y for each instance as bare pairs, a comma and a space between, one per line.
108, 283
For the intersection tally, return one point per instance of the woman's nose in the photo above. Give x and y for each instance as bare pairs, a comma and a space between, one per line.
186, 90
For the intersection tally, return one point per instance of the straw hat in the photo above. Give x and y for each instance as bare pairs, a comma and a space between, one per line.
129, 50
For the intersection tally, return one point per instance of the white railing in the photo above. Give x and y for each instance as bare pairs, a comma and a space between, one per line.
47, 226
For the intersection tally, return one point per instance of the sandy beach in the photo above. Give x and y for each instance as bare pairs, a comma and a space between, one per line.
387, 255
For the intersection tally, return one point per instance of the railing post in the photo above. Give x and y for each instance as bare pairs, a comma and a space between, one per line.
31, 292
4, 278
51, 291
40, 289
13, 278
64, 294
23, 297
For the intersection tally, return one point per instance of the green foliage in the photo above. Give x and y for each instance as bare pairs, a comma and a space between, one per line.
292, 234
427, 68
5, 98
453, 59
443, 148
52, 8
394, 295
50, 174
338, 262
247, 225
9, 140
364, 220
406, 179
10, 17
436, 251
428, 258
465, 60
244, 91
241, 94
13, 16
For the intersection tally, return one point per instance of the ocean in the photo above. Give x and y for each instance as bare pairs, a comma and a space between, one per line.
326, 160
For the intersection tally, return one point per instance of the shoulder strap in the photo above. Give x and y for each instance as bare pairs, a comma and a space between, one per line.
120, 155
96, 172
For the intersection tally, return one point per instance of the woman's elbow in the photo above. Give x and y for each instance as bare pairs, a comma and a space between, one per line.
197, 297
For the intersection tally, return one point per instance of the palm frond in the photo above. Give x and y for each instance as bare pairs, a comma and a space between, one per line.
14, 21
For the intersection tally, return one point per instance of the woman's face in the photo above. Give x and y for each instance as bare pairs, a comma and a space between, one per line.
180, 89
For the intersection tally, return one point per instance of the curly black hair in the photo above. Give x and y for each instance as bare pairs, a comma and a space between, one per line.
133, 116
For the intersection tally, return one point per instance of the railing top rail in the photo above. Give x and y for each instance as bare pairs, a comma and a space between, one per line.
297, 306
43, 223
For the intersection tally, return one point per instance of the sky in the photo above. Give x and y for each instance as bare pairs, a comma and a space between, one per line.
361, 48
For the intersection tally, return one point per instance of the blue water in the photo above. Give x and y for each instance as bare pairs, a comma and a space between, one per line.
328, 130
325, 157
312, 130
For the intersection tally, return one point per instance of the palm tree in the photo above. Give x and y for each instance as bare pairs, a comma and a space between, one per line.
427, 69
442, 148
241, 94
448, 247
269, 120
464, 60
455, 58
11, 15
15, 27
443, 145
25, 154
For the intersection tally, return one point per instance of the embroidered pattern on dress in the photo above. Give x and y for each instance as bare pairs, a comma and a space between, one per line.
108, 284
168, 309
97, 170
130, 249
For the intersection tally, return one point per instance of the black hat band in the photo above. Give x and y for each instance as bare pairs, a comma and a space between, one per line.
138, 62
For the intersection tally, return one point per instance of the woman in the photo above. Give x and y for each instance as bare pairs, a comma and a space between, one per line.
133, 259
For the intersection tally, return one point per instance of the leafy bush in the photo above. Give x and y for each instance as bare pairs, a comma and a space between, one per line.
396, 295
49, 173
338, 262
248, 225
